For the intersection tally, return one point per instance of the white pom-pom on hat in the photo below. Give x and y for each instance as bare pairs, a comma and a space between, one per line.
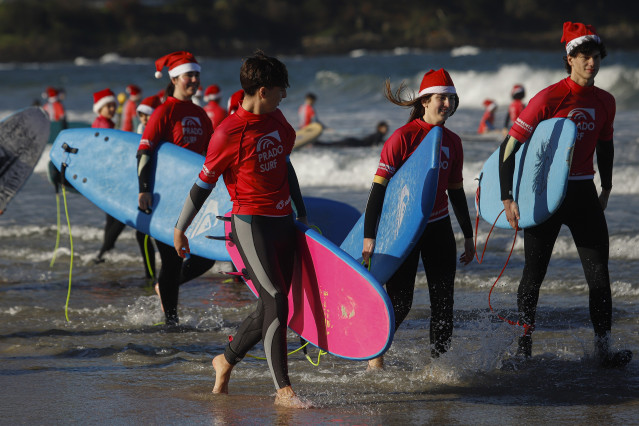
158, 74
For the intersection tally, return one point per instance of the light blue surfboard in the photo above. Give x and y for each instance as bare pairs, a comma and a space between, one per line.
408, 203
101, 165
540, 180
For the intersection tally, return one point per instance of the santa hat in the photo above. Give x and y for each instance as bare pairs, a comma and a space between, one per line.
576, 34
212, 93
490, 104
178, 63
102, 98
50, 93
436, 82
148, 105
517, 89
133, 91
235, 100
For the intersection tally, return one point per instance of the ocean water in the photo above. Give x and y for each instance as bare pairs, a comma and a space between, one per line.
111, 363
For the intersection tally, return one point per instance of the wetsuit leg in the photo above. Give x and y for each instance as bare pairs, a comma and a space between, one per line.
168, 281
112, 230
142, 242
401, 285
193, 267
589, 229
538, 244
267, 246
439, 255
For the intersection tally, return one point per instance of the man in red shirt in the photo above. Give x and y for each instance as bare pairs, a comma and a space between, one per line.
250, 151
593, 111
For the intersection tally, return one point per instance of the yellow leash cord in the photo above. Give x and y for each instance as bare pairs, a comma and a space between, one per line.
57, 237
66, 211
146, 254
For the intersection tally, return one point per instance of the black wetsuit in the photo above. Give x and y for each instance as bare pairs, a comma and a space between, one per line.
112, 230
582, 213
373, 139
174, 272
440, 266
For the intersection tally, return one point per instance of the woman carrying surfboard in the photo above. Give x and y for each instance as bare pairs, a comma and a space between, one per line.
593, 111
250, 150
185, 124
436, 101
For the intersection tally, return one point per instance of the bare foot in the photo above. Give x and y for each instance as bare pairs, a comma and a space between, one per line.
287, 398
157, 291
375, 364
222, 374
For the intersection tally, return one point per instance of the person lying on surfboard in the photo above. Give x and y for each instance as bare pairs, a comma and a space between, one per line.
593, 111
250, 150
436, 101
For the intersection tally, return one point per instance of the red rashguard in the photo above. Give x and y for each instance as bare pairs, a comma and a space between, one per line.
180, 122
590, 108
250, 151
405, 140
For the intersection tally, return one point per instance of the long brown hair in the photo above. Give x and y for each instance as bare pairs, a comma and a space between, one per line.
397, 98
418, 110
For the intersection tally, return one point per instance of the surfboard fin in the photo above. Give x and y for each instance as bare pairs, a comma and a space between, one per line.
223, 218
218, 238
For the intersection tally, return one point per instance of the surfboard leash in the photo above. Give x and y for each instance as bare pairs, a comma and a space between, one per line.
66, 211
303, 346
527, 328
57, 236
146, 256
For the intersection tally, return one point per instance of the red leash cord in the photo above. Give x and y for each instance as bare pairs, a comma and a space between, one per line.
527, 328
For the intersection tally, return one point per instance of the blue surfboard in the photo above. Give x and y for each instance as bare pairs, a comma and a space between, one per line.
101, 165
540, 180
408, 203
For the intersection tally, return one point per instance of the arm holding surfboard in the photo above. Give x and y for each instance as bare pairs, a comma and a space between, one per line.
507, 152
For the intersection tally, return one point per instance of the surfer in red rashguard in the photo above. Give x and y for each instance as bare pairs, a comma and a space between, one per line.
212, 97
104, 105
306, 111
516, 106
129, 107
181, 122
593, 111
53, 107
250, 151
487, 122
436, 101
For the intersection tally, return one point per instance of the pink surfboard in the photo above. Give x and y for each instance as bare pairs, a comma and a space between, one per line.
334, 302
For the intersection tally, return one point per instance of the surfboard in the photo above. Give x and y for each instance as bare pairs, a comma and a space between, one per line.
408, 203
308, 134
23, 136
101, 165
334, 303
334, 219
540, 180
